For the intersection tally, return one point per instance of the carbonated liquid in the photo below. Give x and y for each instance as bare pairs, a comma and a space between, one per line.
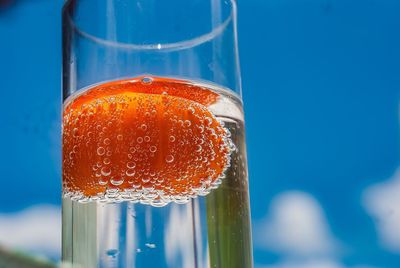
155, 175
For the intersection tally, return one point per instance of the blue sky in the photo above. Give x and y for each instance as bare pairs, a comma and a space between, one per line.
321, 90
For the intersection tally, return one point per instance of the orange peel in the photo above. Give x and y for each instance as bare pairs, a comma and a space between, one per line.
150, 138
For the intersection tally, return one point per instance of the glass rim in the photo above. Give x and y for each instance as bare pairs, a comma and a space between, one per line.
180, 45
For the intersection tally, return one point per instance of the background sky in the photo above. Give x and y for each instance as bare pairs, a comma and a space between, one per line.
321, 91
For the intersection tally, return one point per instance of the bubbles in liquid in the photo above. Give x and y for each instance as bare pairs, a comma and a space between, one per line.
150, 245
117, 181
169, 158
103, 181
144, 146
101, 151
112, 252
130, 173
131, 165
75, 132
147, 80
106, 171
143, 127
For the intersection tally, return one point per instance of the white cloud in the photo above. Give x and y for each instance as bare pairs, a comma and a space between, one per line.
296, 226
178, 237
36, 229
305, 264
382, 201
311, 263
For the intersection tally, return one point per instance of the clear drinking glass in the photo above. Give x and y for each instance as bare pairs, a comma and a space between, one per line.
154, 157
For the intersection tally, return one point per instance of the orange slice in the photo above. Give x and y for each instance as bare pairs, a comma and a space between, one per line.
151, 138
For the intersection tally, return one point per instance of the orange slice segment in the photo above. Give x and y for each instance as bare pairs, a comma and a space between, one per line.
152, 139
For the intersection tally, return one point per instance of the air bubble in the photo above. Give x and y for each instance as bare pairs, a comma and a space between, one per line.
130, 173
103, 181
120, 137
117, 182
131, 165
181, 199
187, 123
139, 139
143, 127
159, 203
106, 161
107, 141
147, 80
149, 245
75, 132
136, 184
199, 148
146, 138
106, 171
112, 252
169, 158
201, 129
171, 138
101, 151
153, 149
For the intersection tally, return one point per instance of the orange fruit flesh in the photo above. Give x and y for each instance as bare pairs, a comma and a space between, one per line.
143, 135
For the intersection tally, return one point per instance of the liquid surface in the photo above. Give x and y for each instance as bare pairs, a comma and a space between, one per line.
149, 139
